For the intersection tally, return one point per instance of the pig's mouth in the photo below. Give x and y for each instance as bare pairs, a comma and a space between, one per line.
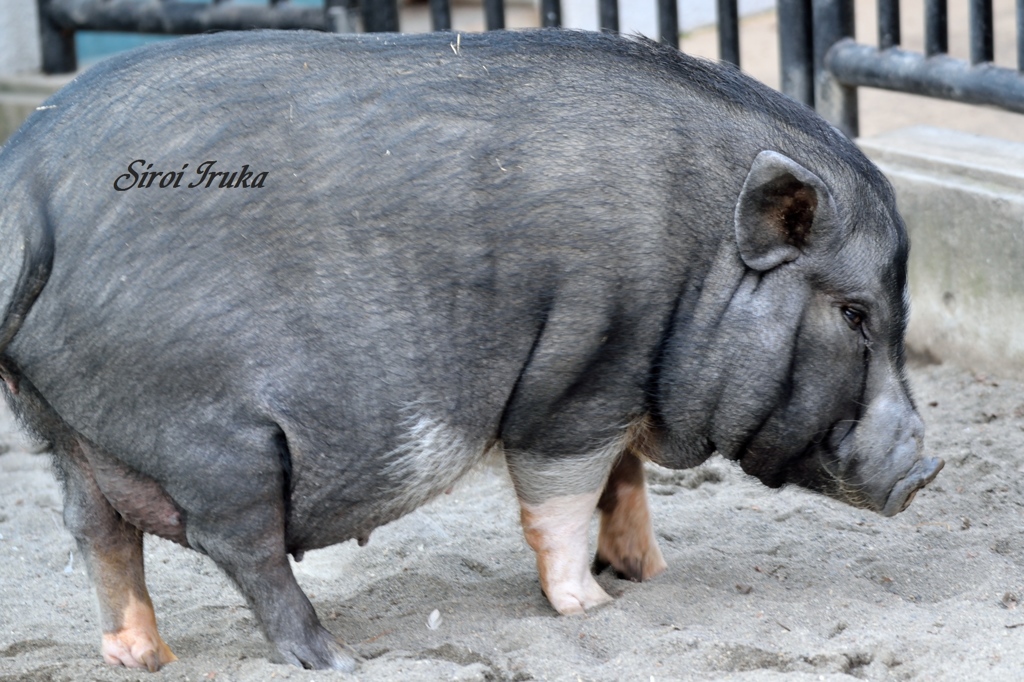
921, 474
887, 499
831, 467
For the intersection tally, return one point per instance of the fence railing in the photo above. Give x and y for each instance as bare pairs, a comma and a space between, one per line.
820, 63
933, 73
60, 19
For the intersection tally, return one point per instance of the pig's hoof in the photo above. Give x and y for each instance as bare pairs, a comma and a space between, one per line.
136, 648
633, 566
319, 653
572, 599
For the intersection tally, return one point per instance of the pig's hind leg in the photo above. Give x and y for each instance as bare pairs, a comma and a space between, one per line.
112, 550
244, 531
626, 540
259, 567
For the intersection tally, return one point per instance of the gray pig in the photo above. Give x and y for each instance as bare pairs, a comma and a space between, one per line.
266, 292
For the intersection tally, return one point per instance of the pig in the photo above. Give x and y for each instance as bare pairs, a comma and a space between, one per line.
264, 292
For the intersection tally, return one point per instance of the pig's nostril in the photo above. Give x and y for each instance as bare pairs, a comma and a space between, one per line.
936, 467
927, 477
927, 470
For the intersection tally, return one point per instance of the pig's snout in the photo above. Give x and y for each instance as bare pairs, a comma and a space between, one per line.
902, 494
892, 480
885, 462
876, 464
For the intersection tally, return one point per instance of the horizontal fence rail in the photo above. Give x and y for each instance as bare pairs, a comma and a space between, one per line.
60, 19
939, 76
154, 16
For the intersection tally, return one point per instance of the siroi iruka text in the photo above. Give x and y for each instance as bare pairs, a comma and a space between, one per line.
140, 176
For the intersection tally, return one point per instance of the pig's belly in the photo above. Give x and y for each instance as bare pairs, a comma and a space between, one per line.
333, 507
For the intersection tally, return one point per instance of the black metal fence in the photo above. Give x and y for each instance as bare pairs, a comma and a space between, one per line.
847, 64
60, 19
820, 63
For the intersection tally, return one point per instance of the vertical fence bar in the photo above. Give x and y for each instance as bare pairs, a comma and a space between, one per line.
668, 22
1020, 35
440, 15
796, 53
728, 32
837, 103
342, 15
981, 31
550, 13
494, 14
57, 44
936, 30
380, 16
609, 15
888, 24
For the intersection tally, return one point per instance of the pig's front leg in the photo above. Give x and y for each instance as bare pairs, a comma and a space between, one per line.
112, 550
557, 499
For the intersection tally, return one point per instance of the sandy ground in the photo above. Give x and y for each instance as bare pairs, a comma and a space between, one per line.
762, 584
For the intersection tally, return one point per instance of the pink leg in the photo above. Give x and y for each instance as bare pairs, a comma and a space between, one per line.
136, 643
112, 550
556, 530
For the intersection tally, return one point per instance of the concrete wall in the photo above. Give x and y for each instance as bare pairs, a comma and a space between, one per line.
962, 197
21, 94
19, 37
22, 89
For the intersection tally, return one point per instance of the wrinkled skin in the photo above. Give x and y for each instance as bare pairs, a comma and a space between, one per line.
580, 250
843, 422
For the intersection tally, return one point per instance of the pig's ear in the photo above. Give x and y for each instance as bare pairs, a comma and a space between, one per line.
781, 209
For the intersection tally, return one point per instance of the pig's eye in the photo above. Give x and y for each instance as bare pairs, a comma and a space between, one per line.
853, 317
